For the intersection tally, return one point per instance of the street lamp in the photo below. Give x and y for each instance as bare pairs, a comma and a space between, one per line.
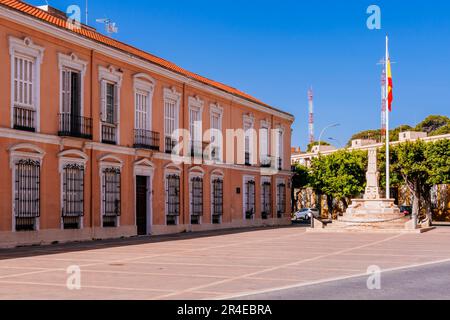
336, 140
334, 125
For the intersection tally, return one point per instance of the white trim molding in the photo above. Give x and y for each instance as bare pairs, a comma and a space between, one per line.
22, 151
245, 180
71, 61
144, 85
26, 48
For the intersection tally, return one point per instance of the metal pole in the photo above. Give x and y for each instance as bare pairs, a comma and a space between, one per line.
388, 171
323, 131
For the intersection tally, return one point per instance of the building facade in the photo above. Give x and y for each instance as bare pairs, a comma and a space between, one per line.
89, 146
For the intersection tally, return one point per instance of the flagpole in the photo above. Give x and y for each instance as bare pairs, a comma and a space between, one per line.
388, 171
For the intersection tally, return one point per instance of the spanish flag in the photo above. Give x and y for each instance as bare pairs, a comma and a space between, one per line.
390, 95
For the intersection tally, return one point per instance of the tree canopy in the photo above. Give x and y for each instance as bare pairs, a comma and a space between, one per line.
433, 125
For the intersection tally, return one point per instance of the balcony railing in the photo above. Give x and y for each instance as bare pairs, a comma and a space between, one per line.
109, 133
75, 126
24, 119
145, 139
196, 149
280, 163
169, 144
247, 159
266, 162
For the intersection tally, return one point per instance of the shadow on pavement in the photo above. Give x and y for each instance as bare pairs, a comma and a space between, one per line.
38, 250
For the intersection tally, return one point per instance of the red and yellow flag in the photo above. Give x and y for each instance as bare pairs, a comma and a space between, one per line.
390, 85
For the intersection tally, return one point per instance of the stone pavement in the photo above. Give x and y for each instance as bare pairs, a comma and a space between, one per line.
211, 265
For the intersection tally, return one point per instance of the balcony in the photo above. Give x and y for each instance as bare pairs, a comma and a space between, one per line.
197, 149
280, 163
109, 133
266, 162
24, 119
75, 126
145, 139
169, 144
247, 159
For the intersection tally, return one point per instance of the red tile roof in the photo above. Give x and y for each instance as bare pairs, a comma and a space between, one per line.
98, 37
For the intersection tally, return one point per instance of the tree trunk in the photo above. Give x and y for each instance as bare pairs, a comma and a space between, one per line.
319, 203
427, 198
330, 206
345, 203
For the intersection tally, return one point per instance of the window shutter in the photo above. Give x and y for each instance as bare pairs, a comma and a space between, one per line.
116, 104
103, 100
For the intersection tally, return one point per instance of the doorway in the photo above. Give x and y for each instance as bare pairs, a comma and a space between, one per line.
141, 205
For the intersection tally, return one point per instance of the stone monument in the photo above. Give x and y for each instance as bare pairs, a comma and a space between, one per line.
372, 213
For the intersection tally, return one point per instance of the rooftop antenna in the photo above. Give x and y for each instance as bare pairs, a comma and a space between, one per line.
110, 26
311, 115
87, 13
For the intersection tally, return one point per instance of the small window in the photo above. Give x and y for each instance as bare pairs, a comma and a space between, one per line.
250, 199
196, 200
266, 197
281, 200
111, 197
173, 199
27, 194
217, 204
73, 196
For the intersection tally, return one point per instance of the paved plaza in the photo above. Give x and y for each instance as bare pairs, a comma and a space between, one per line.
227, 265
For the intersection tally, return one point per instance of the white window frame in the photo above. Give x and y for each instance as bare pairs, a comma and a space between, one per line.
113, 76
216, 109
279, 182
266, 179
244, 196
109, 161
15, 155
281, 146
65, 158
27, 49
168, 172
72, 62
249, 126
196, 105
171, 95
215, 176
265, 125
145, 85
195, 172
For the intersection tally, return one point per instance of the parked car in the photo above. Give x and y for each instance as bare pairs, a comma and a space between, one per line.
406, 210
306, 214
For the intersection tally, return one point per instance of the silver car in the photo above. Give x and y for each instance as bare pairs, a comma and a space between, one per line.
306, 214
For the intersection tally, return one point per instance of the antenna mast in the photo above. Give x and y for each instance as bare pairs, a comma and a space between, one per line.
383, 104
311, 116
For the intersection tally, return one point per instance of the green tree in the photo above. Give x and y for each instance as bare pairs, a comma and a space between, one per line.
438, 162
433, 123
410, 163
300, 180
339, 176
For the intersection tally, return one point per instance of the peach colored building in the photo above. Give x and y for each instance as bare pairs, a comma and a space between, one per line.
87, 133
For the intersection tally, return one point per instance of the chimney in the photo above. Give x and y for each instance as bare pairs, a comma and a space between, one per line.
53, 11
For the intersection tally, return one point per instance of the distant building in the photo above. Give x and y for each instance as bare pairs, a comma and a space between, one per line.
363, 142
412, 135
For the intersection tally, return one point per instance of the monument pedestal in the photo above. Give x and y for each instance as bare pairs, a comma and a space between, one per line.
372, 213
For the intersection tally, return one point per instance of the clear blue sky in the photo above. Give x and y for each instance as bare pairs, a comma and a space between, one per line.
276, 50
